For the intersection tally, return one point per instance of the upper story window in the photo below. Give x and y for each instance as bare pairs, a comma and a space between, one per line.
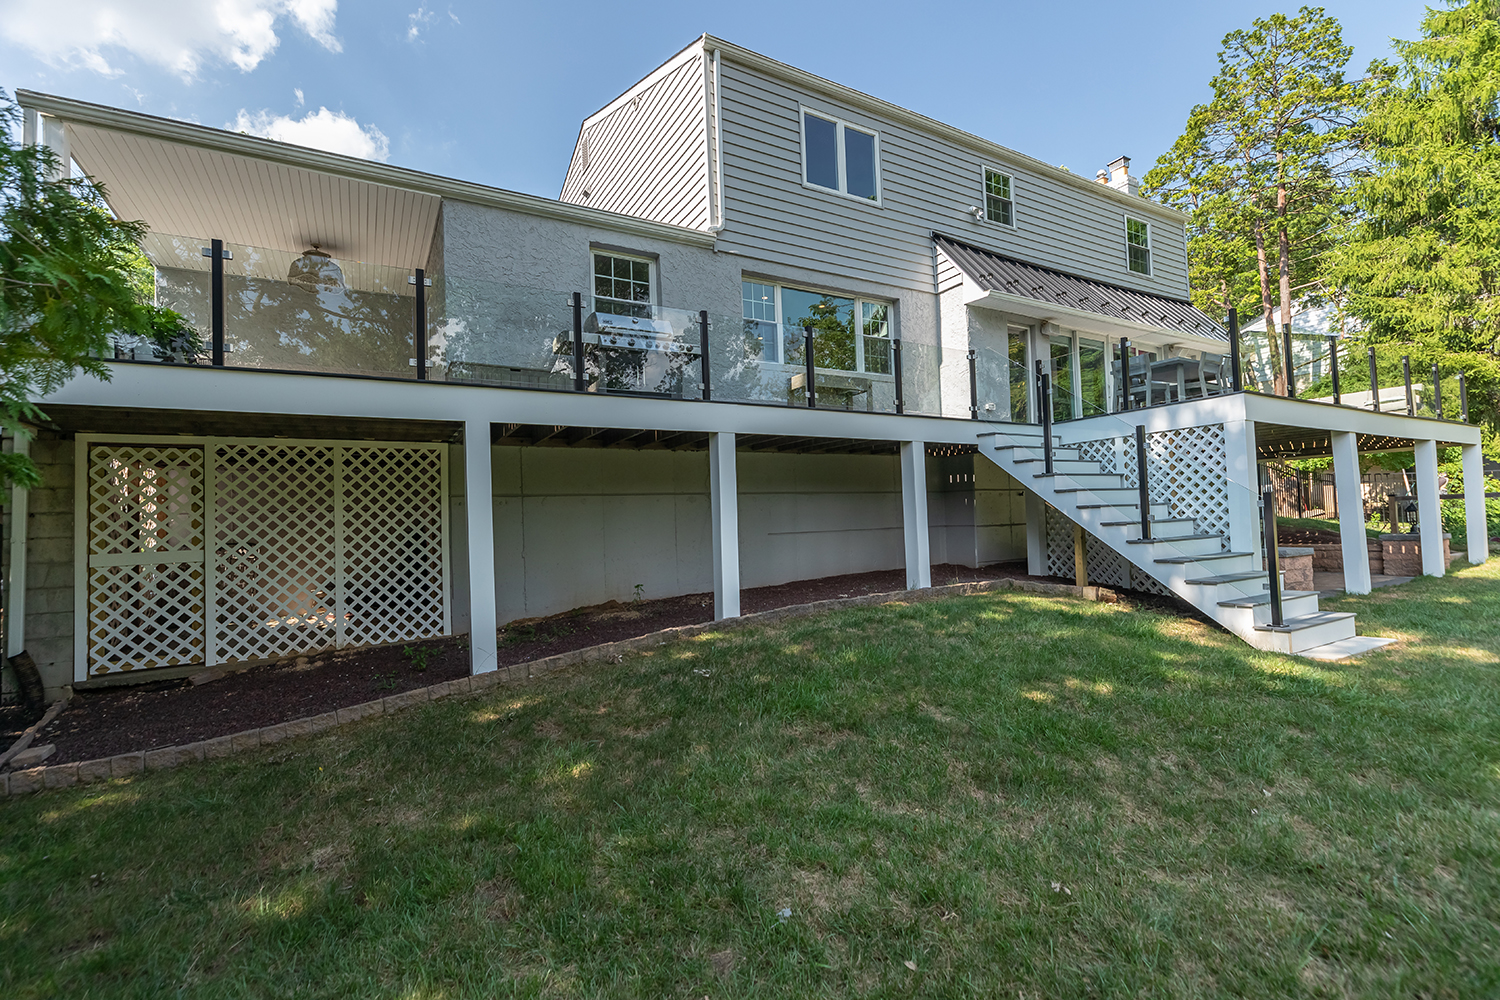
998, 206
622, 285
849, 334
840, 157
1138, 245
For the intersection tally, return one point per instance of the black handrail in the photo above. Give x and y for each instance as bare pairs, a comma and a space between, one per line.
1044, 400
703, 348
216, 306
1333, 366
1374, 381
578, 373
1411, 404
973, 387
1234, 350
1143, 480
896, 364
1268, 518
419, 323
807, 341
1125, 373
1463, 399
1287, 365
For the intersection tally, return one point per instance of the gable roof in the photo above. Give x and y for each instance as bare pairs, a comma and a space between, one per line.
994, 272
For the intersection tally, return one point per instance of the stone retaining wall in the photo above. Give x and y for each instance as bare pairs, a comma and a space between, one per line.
127, 764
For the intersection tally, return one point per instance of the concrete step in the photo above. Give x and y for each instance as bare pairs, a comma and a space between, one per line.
1343, 649
1309, 631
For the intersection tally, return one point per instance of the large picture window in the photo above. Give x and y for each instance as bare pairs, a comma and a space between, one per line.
849, 334
1138, 245
840, 157
622, 285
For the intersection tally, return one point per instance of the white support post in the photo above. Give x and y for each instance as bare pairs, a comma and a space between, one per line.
55, 138
1036, 535
724, 501
1474, 514
914, 514
15, 585
479, 502
1351, 513
1429, 510
1243, 476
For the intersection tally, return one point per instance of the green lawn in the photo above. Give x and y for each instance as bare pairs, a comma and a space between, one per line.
1019, 796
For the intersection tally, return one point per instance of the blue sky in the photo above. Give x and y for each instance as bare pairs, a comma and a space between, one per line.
494, 92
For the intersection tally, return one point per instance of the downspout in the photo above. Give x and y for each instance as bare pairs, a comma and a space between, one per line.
716, 166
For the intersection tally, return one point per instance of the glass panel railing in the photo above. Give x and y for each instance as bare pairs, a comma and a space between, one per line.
318, 312
180, 282
847, 373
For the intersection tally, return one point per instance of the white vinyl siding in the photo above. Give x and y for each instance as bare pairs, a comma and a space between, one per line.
927, 185
648, 157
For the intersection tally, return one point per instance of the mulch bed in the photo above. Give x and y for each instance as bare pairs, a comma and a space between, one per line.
105, 722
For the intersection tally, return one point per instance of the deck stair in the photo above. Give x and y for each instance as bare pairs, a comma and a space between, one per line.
1231, 587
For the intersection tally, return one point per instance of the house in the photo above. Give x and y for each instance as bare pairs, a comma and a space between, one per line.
772, 329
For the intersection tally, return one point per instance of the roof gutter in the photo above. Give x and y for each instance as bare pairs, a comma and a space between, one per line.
218, 140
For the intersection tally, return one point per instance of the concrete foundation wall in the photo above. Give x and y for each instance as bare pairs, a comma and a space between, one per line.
977, 512
49, 564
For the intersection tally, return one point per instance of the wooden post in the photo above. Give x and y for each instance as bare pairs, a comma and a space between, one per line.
1080, 559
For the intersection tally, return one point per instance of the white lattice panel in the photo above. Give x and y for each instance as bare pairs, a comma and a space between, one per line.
392, 582
144, 499
145, 616
1106, 567
274, 561
1187, 468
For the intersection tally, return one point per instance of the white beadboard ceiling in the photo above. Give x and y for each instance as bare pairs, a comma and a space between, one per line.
202, 194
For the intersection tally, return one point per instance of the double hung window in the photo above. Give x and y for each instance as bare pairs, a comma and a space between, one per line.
1138, 245
622, 285
849, 334
840, 157
998, 206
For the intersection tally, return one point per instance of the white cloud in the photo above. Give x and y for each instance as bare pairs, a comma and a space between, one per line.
322, 129
179, 35
418, 18
300, 99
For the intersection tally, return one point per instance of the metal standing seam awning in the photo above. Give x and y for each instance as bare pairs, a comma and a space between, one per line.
1072, 296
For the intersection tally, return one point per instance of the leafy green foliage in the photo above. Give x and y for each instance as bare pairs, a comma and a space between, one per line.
1260, 168
69, 277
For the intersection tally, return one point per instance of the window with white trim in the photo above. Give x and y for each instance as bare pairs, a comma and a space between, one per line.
840, 157
622, 285
998, 206
849, 334
1138, 245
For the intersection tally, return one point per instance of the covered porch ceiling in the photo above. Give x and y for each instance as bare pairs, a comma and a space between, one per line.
1279, 441
76, 419
198, 193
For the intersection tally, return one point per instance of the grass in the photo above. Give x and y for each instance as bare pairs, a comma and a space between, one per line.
1017, 795
1320, 524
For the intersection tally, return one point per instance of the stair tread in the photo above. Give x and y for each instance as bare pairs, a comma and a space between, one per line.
1179, 560
1135, 520
1097, 489
1173, 538
1307, 621
1229, 578
1257, 600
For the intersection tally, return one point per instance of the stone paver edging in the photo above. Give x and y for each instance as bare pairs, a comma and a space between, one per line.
127, 764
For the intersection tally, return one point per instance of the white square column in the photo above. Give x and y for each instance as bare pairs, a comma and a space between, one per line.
914, 514
1036, 535
479, 502
1351, 513
15, 586
1242, 473
1474, 514
1429, 510
724, 503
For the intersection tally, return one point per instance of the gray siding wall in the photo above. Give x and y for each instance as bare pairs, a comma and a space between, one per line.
927, 184
648, 156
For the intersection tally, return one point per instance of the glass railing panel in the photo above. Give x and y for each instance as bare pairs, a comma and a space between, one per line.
179, 282
313, 311
762, 362
497, 334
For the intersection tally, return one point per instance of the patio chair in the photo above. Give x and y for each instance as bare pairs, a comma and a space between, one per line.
1211, 375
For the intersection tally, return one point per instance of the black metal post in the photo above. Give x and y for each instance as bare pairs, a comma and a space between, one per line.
578, 374
1125, 373
1143, 480
1411, 404
419, 325
896, 364
703, 348
1044, 403
807, 340
1437, 391
1333, 366
1291, 369
1463, 399
1268, 518
973, 388
216, 306
1234, 350
1374, 381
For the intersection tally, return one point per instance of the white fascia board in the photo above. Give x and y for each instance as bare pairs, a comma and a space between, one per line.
218, 140
911, 119
1090, 322
228, 390
1332, 417
693, 48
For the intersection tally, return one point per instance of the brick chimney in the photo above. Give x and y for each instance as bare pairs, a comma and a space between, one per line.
1119, 176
